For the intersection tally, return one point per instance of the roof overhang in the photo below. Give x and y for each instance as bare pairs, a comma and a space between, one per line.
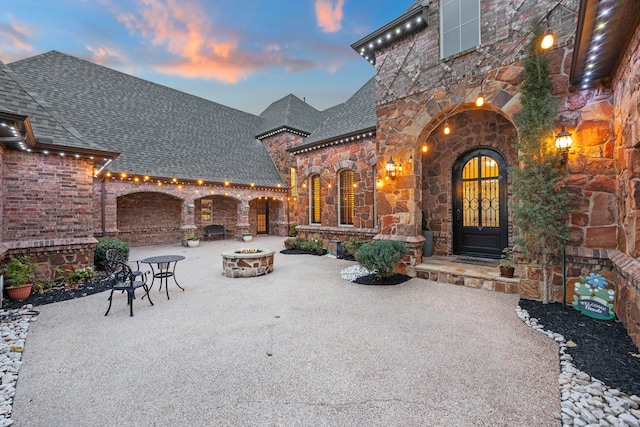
603, 34
280, 130
412, 21
16, 133
342, 139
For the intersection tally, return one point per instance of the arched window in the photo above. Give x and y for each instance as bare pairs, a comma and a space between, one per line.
315, 200
346, 208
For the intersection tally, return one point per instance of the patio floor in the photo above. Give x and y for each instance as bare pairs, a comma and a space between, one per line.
299, 346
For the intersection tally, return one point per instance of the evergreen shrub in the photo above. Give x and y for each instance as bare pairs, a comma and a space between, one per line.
381, 256
104, 244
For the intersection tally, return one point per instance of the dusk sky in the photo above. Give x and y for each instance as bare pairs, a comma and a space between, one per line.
241, 53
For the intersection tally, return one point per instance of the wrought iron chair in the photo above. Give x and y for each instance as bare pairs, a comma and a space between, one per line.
114, 255
123, 278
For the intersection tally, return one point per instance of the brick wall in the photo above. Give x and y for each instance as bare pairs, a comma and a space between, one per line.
46, 197
149, 218
129, 207
46, 210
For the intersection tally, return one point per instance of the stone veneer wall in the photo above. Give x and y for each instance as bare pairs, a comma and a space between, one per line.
626, 87
470, 129
328, 162
47, 210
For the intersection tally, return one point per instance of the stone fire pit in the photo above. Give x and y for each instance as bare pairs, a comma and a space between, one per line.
247, 262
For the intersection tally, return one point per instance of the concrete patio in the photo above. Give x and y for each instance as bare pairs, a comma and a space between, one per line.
299, 346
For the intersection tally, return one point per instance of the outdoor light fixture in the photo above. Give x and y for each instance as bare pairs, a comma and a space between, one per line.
447, 129
480, 98
547, 39
563, 142
391, 169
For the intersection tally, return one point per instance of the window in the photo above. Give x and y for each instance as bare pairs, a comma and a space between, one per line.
315, 205
294, 182
347, 191
206, 208
459, 26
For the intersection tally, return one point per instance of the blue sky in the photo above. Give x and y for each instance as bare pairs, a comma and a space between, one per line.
241, 53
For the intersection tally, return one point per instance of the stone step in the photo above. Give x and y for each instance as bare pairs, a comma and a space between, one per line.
446, 270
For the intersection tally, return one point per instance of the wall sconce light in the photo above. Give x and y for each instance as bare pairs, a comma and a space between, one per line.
190, 208
563, 142
391, 169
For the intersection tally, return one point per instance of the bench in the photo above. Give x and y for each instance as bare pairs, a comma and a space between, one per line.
214, 230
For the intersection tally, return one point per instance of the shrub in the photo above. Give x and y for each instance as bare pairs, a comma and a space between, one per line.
71, 278
352, 245
381, 256
106, 243
313, 245
292, 230
292, 243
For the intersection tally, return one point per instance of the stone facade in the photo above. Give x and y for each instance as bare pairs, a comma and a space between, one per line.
328, 162
626, 185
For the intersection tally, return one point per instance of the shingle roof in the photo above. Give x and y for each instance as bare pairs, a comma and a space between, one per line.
356, 114
159, 131
290, 112
14, 98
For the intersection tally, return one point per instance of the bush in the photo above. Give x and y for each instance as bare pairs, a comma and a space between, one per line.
71, 278
292, 243
104, 244
292, 230
313, 245
381, 256
352, 245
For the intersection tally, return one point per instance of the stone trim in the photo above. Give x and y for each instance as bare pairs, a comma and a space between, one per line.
344, 164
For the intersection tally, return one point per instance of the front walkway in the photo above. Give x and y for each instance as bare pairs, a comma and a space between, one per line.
299, 346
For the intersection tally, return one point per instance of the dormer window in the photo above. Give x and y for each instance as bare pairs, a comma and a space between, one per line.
459, 26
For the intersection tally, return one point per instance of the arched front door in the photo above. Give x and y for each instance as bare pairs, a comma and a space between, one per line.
480, 204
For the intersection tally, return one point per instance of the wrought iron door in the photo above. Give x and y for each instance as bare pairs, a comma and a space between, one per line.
480, 204
262, 214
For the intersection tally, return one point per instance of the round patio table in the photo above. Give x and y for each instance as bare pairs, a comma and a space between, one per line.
163, 270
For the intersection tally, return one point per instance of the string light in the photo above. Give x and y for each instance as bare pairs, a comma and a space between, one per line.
447, 129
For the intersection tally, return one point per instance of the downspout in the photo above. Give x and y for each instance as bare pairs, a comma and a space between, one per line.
102, 206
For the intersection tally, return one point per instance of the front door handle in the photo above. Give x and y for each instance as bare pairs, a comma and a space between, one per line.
458, 215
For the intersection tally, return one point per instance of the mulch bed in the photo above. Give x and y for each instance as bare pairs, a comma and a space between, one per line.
59, 294
372, 279
299, 252
604, 350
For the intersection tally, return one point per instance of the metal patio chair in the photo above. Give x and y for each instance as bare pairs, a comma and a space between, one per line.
124, 279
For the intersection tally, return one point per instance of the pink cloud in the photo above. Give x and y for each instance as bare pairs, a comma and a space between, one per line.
329, 16
14, 39
199, 48
105, 55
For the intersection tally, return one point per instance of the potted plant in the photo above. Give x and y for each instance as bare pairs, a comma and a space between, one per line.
247, 237
17, 275
507, 268
427, 248
193, 241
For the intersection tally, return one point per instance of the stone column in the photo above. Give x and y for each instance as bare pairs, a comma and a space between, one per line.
243, 225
